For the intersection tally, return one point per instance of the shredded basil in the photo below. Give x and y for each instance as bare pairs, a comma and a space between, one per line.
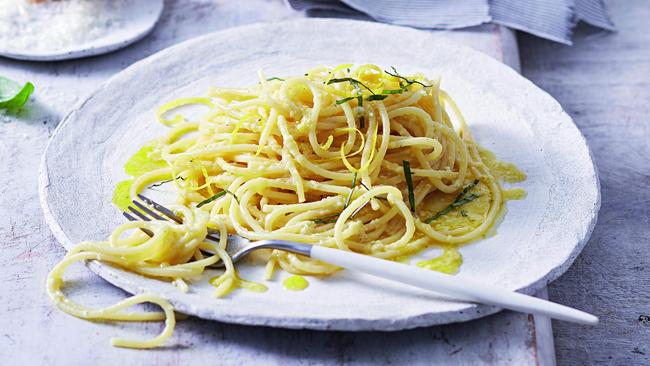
393, 91
377, 97
459, 201
216, 196
341, 101
409, 183
403, 86
354, 184
408, 81
352, 81
326, 219
362, 123
165, 181
467, 188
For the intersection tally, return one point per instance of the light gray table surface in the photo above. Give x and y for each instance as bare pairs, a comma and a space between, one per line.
603, 83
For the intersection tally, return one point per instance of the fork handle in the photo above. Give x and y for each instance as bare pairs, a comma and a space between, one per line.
458, 288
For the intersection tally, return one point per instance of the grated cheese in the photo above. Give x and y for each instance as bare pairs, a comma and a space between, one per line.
56, 24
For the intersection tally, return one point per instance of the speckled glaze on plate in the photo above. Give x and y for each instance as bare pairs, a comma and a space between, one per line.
536, 242
140, 18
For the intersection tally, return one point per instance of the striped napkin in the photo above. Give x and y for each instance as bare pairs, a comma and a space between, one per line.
550, 19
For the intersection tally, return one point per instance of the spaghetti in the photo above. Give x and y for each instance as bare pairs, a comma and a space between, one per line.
358, 159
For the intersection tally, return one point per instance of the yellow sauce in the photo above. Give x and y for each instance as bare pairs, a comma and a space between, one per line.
514, 194
121, 196
213, 280
501, 170
466, 217
472, 214
449, 262
295, 283
144, 161
501, 214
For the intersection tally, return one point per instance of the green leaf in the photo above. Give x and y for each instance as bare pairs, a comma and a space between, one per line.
13, 96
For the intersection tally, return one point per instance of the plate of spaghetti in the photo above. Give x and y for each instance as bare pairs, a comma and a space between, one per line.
394, 143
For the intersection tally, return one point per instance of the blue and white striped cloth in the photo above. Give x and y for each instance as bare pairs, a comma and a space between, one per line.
550, 19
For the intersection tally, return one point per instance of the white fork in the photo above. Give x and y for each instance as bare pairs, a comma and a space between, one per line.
457, 288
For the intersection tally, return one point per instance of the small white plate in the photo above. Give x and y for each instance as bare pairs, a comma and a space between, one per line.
536, 242
137, 19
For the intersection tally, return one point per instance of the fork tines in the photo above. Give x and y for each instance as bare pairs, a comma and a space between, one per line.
152, 210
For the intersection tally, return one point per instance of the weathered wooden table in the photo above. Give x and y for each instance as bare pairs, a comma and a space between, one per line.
33, 332
603, 82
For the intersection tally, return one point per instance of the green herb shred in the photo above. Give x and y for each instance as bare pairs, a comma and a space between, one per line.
354, 184
393, 91
216, 196
467, 188
459, 201
332, 218
409, 82
409, 183
352, 81
326, 219
165, 182
377, 97
362, 122
341, 101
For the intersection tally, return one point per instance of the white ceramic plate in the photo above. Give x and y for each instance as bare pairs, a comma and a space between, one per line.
137, 19
536, 243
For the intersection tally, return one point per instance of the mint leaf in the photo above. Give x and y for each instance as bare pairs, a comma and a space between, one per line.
13, 96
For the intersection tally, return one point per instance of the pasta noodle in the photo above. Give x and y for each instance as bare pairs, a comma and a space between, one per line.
358, 159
